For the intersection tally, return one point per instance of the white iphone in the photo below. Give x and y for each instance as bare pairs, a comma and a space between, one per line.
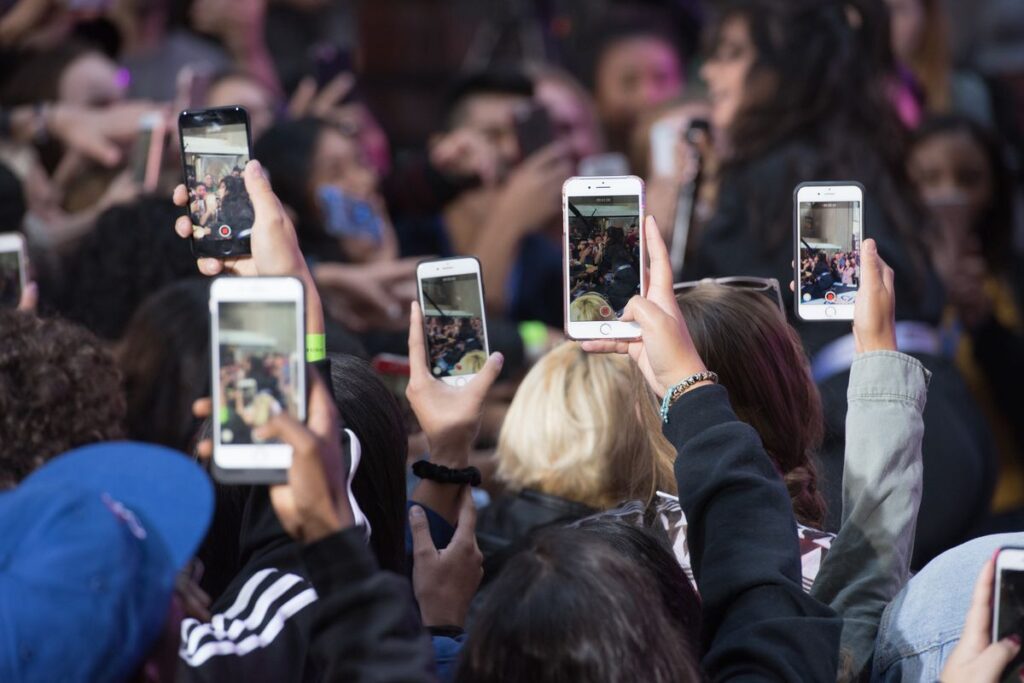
13, 267
828, 228
257, 327
605, 259
455, 325
1008, 603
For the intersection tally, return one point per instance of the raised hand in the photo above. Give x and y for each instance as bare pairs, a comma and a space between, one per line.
874, 313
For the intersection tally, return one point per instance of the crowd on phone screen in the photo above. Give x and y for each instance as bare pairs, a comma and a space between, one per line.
805, 518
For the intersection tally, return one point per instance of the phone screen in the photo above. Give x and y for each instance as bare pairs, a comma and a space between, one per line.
454, 319
604, 255
215, 149
830, 236
1011, 613
259, 367
10, 279
533, 129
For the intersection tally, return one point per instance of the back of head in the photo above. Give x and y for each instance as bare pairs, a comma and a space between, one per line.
570, 607
742, 336
585, 427
371, 412
59, 388
164, 356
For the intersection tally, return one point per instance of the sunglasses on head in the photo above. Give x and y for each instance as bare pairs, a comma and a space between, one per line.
769, 286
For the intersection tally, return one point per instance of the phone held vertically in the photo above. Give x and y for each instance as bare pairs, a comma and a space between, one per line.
216, 144
534, 129
147, 154
455, 324
605, 258
13, 275
1008, 603
828, 231
257, 327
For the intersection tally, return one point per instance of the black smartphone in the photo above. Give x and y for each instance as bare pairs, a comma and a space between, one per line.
533, 129
329, 62
1008, 603
216, 144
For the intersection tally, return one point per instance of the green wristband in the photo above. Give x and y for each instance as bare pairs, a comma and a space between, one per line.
316, 347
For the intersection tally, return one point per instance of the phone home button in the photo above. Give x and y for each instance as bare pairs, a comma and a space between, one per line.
830, 312
605, 329
460, 381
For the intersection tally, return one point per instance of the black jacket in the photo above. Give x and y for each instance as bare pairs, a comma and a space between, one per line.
758, 622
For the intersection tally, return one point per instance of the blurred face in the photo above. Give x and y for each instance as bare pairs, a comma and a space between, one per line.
200, 191
570, 117
953, 168
493, 117
338, 162
726, 72
208, 179
634, 75
222, 191
92, 80
907, 23
246, 93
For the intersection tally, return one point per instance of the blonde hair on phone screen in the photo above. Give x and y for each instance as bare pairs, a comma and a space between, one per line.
585, 427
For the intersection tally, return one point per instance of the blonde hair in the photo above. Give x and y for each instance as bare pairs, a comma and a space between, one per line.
587, 307
585, 427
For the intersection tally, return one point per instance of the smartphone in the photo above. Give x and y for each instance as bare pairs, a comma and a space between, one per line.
604, 254
216, 144
13, 270
533, 129
607, 164
329, 62
258, 371
455, 324
1008, 603
828, 227
148, 151
348, 216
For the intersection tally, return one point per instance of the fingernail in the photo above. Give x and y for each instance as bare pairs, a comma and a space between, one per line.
416, 512
256, 166
1014, 638
499, 358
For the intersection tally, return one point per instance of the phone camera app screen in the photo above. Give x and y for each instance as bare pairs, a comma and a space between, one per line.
829, 252
604, 256
259, 365
218, 202
455, 325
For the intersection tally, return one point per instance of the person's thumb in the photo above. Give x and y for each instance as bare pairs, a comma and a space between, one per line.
489, 372
992, 661
870, 265
422, 543
642, 311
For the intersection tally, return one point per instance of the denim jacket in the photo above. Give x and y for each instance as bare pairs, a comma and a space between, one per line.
869, 561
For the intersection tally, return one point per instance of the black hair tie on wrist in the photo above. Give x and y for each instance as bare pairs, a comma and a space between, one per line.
446, 475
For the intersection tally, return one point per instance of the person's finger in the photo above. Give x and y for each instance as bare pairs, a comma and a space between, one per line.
265, 203
487, 375
183, 226
97, 148
870, 267
422, 544
29, 297
603, 346
465, 527
285, 428
418, 369
321, 411
210, 266
305, 93
792, 286
202, 408
204, 449
991, 662
551, 153
976, 635
888, 278
333, 93
180, 195
397, 270
659, 266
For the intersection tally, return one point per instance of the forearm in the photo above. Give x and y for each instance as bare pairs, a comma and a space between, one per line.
869, 561
497, 248
442, 498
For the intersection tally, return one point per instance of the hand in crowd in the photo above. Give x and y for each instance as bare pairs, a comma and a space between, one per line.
449, 415
664, 352
532, 196
445, 581
874, 314
465, 153
100, 134
976, 659
29, 297
368, 296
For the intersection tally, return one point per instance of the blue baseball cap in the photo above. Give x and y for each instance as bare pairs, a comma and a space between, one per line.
90, 545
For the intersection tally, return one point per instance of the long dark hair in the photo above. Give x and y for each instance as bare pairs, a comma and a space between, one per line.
745, 338
372, 413
572, 607
235, 209
822, 74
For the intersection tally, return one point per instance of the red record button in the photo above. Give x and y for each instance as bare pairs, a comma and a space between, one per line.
830, 296
224, 230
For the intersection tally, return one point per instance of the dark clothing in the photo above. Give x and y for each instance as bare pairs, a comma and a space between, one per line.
535, 283
758, 622
739, 240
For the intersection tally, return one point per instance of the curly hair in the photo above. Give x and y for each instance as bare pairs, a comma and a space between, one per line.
59, 389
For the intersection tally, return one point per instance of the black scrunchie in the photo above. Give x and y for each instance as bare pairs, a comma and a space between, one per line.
446, 475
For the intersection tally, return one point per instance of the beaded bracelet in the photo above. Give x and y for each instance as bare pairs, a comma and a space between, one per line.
678, 389
446, 475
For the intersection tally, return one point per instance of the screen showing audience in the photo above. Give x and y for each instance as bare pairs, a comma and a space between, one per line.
1011, 613
10, 279
455, 325
829, 252
218, 202
259, 364
604, 256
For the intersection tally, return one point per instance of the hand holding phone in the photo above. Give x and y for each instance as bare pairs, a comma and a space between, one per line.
452, 301
13, 271
604, 255
534, 130
828, 231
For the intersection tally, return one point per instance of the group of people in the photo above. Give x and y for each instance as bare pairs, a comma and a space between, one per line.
739, 494
821, 273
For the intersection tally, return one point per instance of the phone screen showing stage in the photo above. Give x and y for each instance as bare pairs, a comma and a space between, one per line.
604, 255
453, 315
830, 236
215, 155
259, 366
1011, 614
